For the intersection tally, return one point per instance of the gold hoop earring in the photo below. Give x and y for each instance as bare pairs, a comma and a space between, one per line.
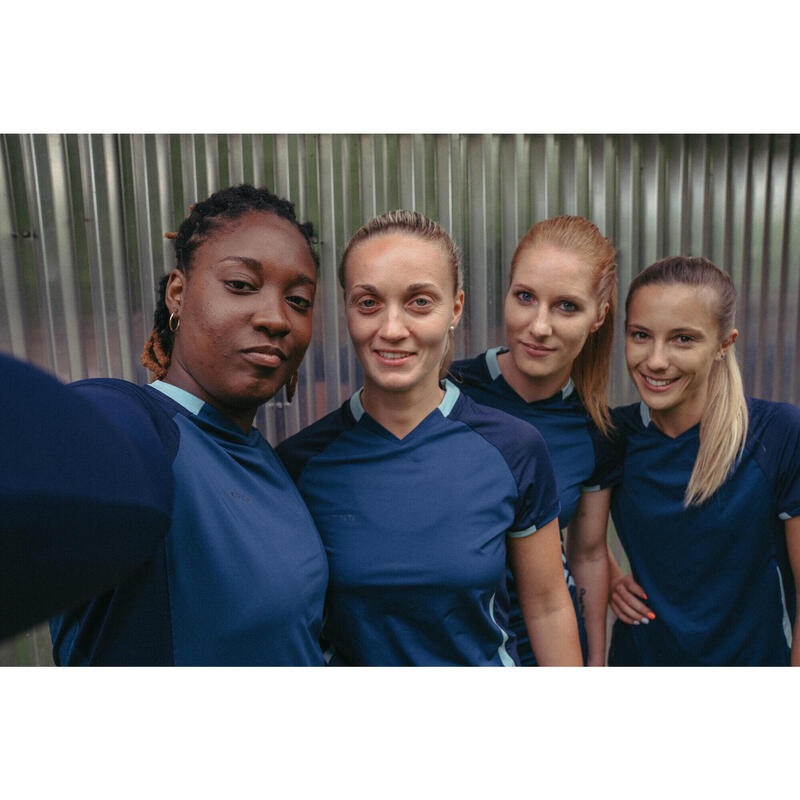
176, 320
291, 387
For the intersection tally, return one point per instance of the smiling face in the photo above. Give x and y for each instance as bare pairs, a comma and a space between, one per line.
401, 301
672, 340
551, 308
245, 314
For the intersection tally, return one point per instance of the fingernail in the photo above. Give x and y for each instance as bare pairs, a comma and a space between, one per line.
644, 595
651, 615
635, 622
645, 620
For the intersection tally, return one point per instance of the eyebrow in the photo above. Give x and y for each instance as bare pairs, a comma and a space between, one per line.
573, 298
413, 287
299, 279
673, 331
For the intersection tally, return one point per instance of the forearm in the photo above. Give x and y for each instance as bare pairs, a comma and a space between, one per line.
591, 584
553, 631
795, 662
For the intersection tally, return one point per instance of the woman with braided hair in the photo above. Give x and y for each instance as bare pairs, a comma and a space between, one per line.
240, 576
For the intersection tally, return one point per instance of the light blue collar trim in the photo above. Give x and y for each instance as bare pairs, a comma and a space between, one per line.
180, 396
451, 395
494, 370
356, 409
644, 412
491, 362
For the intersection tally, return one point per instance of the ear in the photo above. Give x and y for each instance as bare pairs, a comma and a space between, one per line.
458, 307
176, 286
726, 343
601, 318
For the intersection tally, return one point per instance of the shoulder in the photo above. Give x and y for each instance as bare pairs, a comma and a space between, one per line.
515, 438
472, 371
627, 418
141, 410
298, 450
772, 424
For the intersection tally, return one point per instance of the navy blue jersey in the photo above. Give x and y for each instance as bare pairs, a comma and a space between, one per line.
716, 576
70, 481
583, 459
240, 577
415, 529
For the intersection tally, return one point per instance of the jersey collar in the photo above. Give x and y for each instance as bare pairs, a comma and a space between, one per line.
495, 373
644, 413
451, 395
180, 396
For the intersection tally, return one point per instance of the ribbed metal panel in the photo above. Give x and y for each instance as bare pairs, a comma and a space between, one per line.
83, 217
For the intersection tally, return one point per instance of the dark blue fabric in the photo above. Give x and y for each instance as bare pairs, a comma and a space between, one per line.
415, 530
240, 577
716, 576
581, 456
71, 482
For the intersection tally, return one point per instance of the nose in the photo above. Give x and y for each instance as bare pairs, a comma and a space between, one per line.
394, 326
270, 315
657, 357
541, 326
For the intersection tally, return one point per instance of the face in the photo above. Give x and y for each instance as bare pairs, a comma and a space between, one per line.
401, 301
245, 314
671, 343
550, 309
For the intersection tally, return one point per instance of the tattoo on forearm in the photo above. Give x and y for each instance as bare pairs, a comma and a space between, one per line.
582, 604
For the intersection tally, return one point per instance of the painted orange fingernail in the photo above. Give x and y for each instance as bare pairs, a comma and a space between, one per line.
651, 615
644, 595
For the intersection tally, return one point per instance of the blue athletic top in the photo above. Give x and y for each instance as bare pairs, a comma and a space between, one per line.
240, 577
415, 529
583, 459
70, 480
716, 576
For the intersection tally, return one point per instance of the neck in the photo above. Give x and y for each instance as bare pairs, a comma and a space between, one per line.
241, 417
528, 388
401, 412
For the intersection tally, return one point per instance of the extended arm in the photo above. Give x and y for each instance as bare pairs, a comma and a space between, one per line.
587, 555
82, 503
544, 597
793, 546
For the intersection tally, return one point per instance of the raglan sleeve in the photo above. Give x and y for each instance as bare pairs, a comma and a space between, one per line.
85, 493
786, 433
537, 502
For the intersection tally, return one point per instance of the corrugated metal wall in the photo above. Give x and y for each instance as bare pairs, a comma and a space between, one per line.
82, 219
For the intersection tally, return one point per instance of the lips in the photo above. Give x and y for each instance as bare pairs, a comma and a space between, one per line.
537, 350
265, 356
393, 357
657, 384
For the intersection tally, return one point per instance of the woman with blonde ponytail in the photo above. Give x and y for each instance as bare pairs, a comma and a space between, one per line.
708, 510
420, 494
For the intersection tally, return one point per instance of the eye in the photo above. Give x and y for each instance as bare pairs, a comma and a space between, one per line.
366, 304
637, 336
420, 303
300, 303
524, 297
568, 307
683, 338
240, 286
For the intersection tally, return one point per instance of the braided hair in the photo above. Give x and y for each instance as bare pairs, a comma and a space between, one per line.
204, 218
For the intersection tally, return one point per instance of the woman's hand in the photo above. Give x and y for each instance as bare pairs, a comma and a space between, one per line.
625, 600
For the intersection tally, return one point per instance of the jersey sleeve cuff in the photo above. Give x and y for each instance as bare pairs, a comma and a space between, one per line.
784, 515
531, 529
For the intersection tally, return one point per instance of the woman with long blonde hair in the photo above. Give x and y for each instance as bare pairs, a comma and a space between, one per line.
708, 510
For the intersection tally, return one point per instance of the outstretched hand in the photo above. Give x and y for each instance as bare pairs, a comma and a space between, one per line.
626, 599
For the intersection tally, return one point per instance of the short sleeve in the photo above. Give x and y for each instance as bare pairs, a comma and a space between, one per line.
785, 427
537, 502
